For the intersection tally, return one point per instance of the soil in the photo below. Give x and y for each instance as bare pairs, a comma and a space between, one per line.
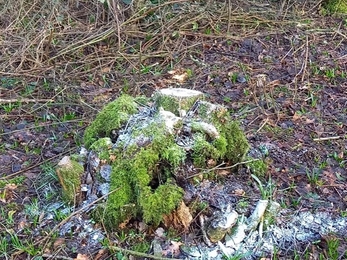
284, 80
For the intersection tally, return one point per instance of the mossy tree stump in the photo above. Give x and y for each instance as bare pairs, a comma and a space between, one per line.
152, 144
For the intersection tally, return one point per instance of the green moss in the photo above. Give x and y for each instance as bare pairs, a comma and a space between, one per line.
221, 145
70, 180
133, 174
113, 116
102, 147
204, 150
231, 145
237, 144
142, 170
160, 202
175, 155
335, 6
257, 167
16, 180
203, 110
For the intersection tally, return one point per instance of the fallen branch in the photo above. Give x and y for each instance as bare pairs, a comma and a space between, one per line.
327, 138
221, 168
35, 165
131, 252
25, 100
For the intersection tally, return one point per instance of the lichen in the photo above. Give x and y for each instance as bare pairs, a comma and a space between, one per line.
112, 117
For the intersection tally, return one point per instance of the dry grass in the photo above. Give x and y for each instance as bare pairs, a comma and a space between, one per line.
84, 40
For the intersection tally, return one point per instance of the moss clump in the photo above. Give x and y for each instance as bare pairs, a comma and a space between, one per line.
146, 155
335, 6
175, 155
231, 145
257, 167
102, 147
157, 203
204, 150
112, 117
237, 142
143, 190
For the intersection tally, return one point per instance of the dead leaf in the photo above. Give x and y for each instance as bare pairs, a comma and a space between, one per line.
296, 116
180, 219
22, 224
239, 192
7, 194
82, 257
340, 155
181, 78
326, 191
223, 172
211, 163
100, 254
59, 242
11, 186
173, 249
329, 176
310, 121
113, 157
106, 70
125, 222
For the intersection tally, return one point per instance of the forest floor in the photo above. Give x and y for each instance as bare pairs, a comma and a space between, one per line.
279, 67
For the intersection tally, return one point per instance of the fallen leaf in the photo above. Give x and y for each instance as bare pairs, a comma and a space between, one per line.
181, 78
223, 172
326, 191
22, 224
211, 163
100, 255
7, 194
106, 69
59, 242
113, 158
239, 192
296, 116
81, 257
310, 121
173, 249
180, 219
